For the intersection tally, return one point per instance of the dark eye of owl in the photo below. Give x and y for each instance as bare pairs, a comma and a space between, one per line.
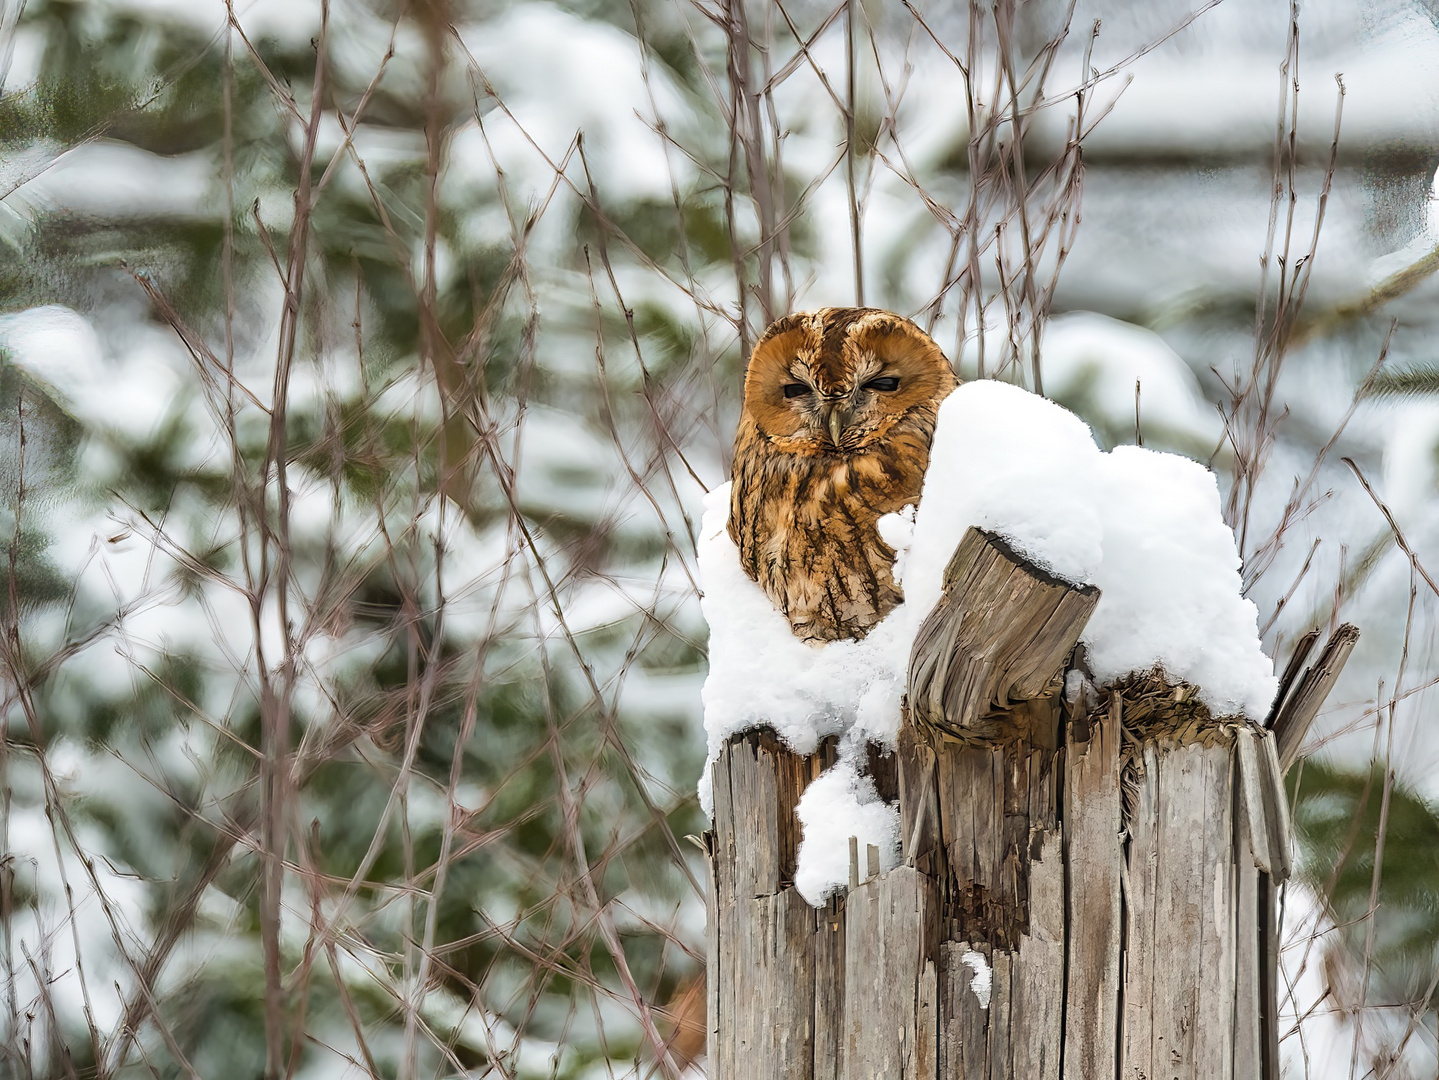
887, 382
795, 389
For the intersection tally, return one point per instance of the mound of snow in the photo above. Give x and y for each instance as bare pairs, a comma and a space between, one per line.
1010, 462
839, 804
1143, 526
1169, 585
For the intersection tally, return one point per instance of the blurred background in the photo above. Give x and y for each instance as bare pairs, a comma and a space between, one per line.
363, 365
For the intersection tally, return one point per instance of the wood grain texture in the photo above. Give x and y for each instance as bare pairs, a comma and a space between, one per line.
964, 1019
757, 784
1250, 801
889, 934
829, 1003
1276, 808
1214, 1028
1248, 958
1140, 950
926, 1022
1269, 973
1141, 905
1036, 1011
1296, 710
1000, 635
1178, 911
1092, 857
1180, 995
767, 947
1303, 646
1002, 975
774, 956
718, 976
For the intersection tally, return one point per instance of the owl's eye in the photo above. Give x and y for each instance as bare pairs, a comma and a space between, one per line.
886, 383
795, 389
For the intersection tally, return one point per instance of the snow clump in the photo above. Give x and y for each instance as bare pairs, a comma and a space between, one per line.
1170, 588
1010, 462
1142, 526
981, 977
839, 804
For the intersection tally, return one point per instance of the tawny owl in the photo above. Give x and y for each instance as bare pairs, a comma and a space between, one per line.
839, 410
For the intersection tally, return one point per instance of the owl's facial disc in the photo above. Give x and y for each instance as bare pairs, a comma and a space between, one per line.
836, 381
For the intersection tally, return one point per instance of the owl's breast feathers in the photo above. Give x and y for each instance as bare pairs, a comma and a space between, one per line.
805, 524
839, 409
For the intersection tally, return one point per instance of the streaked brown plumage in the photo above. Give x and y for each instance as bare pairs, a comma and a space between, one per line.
839, 411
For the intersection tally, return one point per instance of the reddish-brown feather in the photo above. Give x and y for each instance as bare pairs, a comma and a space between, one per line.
803, 509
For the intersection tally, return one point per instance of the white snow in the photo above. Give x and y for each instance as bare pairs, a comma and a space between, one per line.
62, 350
1143, 526
981, 978
761, 674
841, 803
1169, 585
1090, 363
897, 530
1411, 459
282, 20
1010, 462
136, 182
560, 74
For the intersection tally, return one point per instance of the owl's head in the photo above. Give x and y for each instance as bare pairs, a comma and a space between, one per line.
835, 381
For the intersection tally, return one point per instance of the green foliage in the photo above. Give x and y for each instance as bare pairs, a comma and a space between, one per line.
1337, 817
1420, 380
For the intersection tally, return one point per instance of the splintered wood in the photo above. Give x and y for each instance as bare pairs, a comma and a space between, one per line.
1088, 883
999, 636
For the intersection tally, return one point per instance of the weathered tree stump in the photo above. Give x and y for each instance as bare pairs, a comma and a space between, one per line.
1087, 887
783, 958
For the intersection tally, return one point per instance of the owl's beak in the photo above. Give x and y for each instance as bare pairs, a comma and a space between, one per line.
837, 417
